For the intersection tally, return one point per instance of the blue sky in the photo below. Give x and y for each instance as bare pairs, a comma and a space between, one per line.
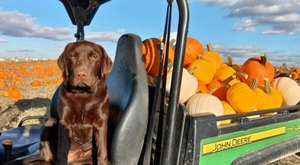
242, 28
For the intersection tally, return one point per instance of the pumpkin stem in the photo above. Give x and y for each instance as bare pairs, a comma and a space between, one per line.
227, 80
241, 74
209, 47
254, 83
230, 63
203, 58
268, 87
263, 59
212, 90
229, 60
192, 70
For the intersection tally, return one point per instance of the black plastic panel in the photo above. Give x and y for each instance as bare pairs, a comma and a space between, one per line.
128, 94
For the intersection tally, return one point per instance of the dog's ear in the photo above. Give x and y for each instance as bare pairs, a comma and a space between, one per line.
106, 63
61, 62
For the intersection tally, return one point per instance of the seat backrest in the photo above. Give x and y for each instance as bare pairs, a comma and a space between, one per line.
128, 94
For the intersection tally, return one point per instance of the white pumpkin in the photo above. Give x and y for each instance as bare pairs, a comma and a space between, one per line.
173, 38
189, 85
289, 89
205, 102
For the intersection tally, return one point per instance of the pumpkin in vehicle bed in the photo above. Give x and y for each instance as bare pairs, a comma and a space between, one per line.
289, 90
228, 110
242, 97
193, 49
258, 67
151, 55
268, 97
223, 72
203, 69
231, 64
201, 87
213, 56
221, 87
205, 102
189, 85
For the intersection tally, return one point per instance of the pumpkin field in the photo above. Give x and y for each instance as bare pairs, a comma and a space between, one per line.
26, 88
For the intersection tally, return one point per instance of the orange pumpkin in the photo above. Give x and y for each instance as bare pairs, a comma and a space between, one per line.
201, 87
295, 75
151, 55
14, 92
297, 70
223, 72
213, 56
203, 69
221, 87
2, 84
269, 97
193, 49
36, 83
228, 110
258, 67
215, 83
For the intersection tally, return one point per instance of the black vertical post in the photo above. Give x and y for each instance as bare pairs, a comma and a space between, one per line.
169, 154
7, 144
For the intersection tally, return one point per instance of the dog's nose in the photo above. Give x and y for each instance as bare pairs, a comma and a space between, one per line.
81, 75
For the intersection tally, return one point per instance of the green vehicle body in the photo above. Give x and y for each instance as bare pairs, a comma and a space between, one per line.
228, 147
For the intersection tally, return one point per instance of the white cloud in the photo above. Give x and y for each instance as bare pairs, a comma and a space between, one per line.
21, 50
221, 2
23, 25
105, 36
273, 16
270, 31
241, 53
247, 25
2, 40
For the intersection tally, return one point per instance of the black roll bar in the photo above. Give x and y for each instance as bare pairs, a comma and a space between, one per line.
169, 140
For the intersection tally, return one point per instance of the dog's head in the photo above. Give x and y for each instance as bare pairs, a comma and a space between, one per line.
83, 63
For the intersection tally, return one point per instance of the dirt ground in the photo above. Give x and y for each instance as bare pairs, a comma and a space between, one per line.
35, 101
289, 160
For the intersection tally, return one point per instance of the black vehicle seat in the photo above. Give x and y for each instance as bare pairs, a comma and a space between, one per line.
128, 94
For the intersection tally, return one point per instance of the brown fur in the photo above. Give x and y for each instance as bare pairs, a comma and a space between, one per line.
83, 108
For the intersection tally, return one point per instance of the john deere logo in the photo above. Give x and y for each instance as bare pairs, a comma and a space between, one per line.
235, 142
241, 140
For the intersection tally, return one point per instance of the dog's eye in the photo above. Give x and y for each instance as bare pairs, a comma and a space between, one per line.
72, 55
93, 56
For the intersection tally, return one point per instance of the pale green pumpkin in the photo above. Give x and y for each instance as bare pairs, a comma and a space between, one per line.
205, 102
289, 89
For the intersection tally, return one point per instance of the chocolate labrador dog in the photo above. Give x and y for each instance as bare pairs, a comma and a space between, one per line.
78, 134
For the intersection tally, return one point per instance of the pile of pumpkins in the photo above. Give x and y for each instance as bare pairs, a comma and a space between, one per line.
212, 84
